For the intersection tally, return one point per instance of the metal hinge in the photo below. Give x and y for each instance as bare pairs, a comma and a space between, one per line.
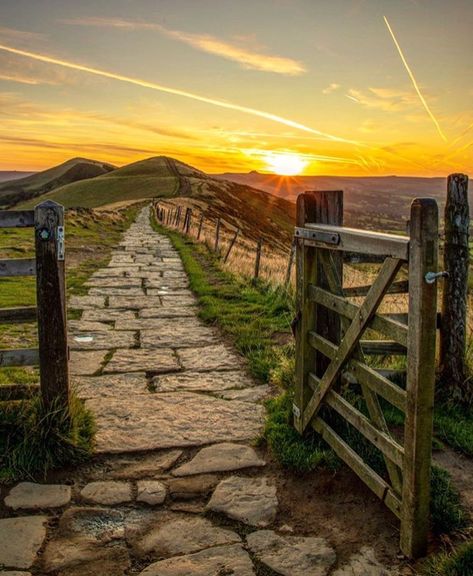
296, 411
317, 235
60, 243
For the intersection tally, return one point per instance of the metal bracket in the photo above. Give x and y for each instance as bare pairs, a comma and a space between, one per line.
60, 243
317, 235
296, 411
432, 277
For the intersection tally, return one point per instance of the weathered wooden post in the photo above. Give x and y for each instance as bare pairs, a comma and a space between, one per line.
217, 235
51, 304
201, 223
178, 216
455, 384
290, 263
232, 243
322, 207
188, 220
423, 256
259, 247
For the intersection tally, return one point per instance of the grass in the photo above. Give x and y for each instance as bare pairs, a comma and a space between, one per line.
34, 440
456, 563
251, 315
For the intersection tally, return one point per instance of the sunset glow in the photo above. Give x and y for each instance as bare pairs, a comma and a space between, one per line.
285, 164
347, 88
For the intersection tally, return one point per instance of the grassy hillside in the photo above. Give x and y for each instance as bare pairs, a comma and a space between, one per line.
31, 187
6, 175
254, 211
383, 202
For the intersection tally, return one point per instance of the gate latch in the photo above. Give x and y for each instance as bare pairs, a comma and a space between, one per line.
60, 243
432, 277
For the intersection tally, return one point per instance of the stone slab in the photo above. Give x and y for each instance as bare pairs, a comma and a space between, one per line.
32, 496
178, 335
86, 362
207, 358
114, 282
213, 382
107, 492
223, 457
133, 302
75, 326
292, 555
144, 466
168, 312
86, 302
20, 540
104, 340
111, 385
150, 360
177, 535
171, 420
249, 500
152, 492
191, 487
127, 292
107, 315
254, 394
220, 561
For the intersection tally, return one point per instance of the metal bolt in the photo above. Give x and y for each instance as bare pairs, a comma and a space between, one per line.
432, 277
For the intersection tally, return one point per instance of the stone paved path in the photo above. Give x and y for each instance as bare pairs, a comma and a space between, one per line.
176, 477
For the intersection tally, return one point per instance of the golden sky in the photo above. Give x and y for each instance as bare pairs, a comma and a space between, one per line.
349, 87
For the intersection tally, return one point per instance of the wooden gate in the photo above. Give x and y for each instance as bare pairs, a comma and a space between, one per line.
49, 268
329, 330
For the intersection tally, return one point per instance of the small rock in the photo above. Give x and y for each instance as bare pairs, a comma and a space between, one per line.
152, 492
364, 563
220, 458
249, 500
183, 535
107, 492
192, 487
219, 561
29, 495
292, 555
20, 540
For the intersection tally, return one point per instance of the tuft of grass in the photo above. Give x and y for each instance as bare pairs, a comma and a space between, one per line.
34, 440
447, 513
293, 451
457, 563
454, 425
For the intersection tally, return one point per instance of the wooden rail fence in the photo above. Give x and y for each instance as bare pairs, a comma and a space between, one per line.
329, 345
48, 266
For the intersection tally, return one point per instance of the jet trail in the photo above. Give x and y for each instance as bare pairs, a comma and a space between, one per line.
175, 91
414, 82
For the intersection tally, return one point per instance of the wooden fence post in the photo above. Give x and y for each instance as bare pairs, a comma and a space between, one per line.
217, 235
178, 216
232, 243
201, 223
188, 220
453, 374
290, 264
51, 304
259, 247
323, 207
423, 256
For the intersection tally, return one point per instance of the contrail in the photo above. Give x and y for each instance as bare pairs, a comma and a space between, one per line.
411, 75
175, 91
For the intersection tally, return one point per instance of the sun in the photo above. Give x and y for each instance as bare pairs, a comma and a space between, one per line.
285, 164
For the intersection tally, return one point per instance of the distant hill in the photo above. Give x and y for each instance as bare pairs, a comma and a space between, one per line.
6, 175
22, 189
256, 212
372, 202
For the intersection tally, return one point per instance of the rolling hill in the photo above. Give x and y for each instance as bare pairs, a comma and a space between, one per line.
370, 202
256, 212
6, 175
22, 189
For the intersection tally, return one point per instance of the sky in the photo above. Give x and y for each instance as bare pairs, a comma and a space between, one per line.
343, 87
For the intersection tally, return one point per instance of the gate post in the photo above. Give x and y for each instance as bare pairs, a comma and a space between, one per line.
423, 256
51, 304
321, 207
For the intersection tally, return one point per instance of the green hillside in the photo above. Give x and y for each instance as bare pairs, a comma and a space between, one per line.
256, 212
23, 189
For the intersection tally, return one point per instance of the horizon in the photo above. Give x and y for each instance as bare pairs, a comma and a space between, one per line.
306, 89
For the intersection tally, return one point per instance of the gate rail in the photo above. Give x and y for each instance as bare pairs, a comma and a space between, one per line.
329, 332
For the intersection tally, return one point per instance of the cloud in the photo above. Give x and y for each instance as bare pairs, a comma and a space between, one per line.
333, 87
8, 34
386, 99
248, 57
